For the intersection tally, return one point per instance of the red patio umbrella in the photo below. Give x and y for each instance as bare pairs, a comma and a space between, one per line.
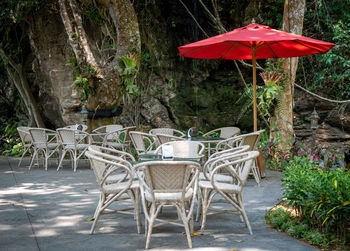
254, 41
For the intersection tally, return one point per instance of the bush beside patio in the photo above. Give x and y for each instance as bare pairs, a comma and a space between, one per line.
316, 201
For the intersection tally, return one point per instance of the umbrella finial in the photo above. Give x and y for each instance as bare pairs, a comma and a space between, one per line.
253, 21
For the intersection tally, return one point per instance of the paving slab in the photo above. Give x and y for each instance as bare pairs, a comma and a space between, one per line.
48, 210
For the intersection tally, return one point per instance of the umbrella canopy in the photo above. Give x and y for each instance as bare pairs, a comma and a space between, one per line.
254, 41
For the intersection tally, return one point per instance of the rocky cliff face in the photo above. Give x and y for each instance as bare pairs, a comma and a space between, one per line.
178, 92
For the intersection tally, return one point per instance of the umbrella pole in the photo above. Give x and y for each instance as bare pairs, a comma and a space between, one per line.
254, 91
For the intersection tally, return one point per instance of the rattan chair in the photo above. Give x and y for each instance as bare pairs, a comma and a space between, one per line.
185, 149
252, 140
75, 143
121, 172
27, 141
98, 134
224, 132
165, 138
169, 131
143, 142
229, 143
109, 154
116, 139
45, 141
238, 167
164, 183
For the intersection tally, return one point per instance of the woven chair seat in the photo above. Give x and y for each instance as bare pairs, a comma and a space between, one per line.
116, 187
78, 147
116, 177
170, 196
49, 145
225, 187
114, 144
218, 177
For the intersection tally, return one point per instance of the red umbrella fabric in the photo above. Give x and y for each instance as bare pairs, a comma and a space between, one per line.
254, 41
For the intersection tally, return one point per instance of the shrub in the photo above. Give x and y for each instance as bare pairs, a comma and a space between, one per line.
320, 196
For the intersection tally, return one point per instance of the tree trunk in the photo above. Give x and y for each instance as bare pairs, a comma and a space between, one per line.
19, 79
124, 18
293, 18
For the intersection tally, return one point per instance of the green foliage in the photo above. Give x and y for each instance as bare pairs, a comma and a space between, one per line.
86, 81
321, 196
269, 97
128, 74
10, 143
328, 73
282, 220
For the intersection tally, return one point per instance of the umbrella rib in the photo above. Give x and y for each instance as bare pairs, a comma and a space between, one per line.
195, 49
297, 42
233, 46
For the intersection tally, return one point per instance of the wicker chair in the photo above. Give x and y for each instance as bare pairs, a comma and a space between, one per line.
228, 143
185, 149
168, 131
165, 138
164, 183
110, 154
27, 141
210, 164
116, 139
238, 167
43, 143
75, 142
98, 134
121, 172
143, 142
225, 132
252, 140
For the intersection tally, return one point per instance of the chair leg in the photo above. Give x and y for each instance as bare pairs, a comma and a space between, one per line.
61, 160
199, 204
240, 202
137, 209
256, 173
150, 225
24, 153
34, 155
204, 207
182, 212
97, 212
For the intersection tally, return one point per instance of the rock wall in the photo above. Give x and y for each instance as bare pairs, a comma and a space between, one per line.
334, 122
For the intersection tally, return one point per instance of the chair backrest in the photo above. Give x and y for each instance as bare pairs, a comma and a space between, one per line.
222, 155
228, 143
67, 136
116, 135
236, 165
167, 131
165, 138
24, 134
104, 167
40, 135
129, 129
251, 139
143, 142
110, 153
168, 176
185, 149
225, 132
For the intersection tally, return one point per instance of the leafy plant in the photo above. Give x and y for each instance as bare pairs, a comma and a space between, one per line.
129, 72
320, 196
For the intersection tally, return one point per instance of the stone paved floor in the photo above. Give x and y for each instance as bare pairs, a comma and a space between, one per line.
47, 210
